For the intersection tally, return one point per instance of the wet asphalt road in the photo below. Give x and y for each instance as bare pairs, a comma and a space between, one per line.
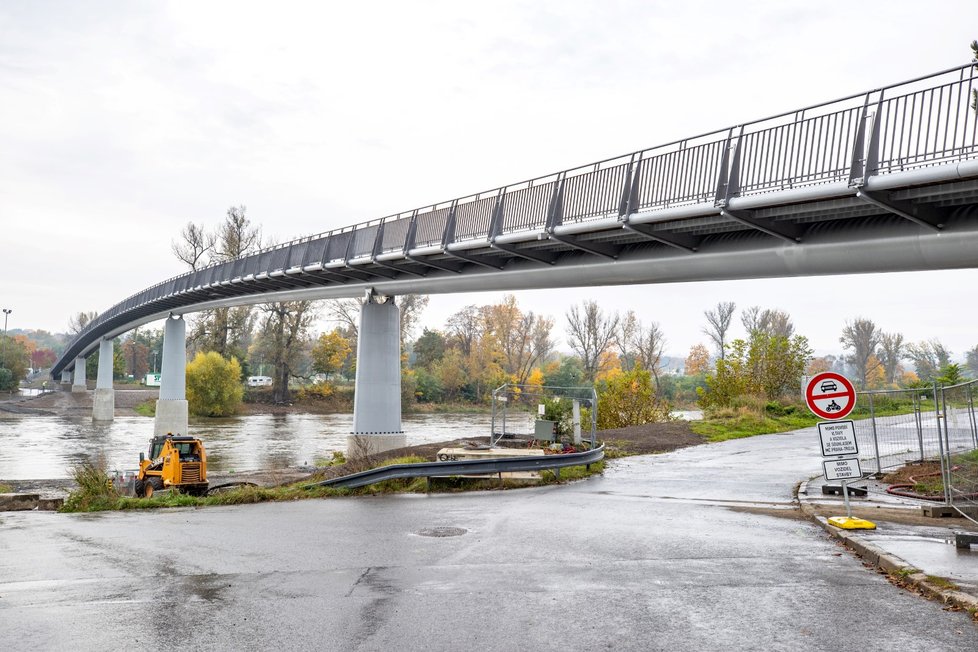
672, 552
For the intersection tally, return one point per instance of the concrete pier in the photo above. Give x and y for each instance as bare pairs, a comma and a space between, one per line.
79, 385
172, 414
377, 402
103, 408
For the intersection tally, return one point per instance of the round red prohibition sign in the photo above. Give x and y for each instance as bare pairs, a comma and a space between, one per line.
830, 395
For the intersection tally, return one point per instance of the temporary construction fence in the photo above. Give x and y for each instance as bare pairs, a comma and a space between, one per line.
924, 424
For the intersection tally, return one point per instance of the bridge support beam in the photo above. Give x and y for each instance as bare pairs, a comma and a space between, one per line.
103, 408
65, 379
172, 415
377, 402
79, 385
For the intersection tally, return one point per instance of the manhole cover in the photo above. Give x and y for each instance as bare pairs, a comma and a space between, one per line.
442, 531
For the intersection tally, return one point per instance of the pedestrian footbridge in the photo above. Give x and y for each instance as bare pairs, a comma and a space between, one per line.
885, 180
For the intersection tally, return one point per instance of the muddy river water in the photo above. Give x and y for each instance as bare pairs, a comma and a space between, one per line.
33, 447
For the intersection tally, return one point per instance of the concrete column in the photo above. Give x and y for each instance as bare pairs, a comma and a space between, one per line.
79, 385
377, 402
171, 410
103, 408
66, 377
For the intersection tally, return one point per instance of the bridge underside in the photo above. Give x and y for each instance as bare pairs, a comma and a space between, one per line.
920, 220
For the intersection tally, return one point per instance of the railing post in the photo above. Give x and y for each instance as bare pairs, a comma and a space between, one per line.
865, 160
555, 212
728, 176
629, 193
448, 235
496, 219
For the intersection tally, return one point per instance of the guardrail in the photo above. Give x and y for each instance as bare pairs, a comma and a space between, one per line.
464, 467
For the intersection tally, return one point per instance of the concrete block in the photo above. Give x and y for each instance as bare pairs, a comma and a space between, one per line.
50, 504
103, 408
18, 502
364, 445
459, 454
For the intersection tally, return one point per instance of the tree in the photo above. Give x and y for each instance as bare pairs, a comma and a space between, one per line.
862, 337
698, 360
649, 345
284, 330
971, 361
429, 349
891, 351
627, 329
213, 385
765, 365
718, 323
629, 399
591, 333
523, 339
77, 323
410, 307
330, 352
193, 246
928, 358
568, 372
464, 329
950, 374
13, 362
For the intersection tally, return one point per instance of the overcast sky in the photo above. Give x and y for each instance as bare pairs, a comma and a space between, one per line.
122, 121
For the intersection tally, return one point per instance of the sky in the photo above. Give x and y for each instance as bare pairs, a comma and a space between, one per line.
122, 121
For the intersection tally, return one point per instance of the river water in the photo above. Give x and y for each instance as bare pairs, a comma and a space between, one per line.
35, 447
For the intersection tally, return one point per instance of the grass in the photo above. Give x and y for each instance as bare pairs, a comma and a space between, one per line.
5, 488
146, 408
942, 583
736, 423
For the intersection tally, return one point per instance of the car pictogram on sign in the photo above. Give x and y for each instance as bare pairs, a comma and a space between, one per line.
830, 395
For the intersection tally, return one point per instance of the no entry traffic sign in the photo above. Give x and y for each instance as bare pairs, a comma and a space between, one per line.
830, 395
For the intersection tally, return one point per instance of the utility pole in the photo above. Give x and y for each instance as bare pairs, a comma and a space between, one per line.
3, 350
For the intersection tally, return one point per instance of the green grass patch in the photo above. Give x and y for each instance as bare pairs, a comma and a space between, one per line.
742, 422
146, 408
942, 583
5, 488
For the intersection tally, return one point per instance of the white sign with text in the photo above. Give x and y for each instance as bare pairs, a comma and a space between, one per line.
842, 470
838, 438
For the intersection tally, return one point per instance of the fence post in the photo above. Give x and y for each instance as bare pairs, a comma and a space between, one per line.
876, 442
971, 415
918, 420
938, 401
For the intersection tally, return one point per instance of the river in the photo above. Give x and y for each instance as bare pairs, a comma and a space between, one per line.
35, 447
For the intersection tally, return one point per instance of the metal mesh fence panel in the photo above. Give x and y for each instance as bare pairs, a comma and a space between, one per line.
960, 439
895, 427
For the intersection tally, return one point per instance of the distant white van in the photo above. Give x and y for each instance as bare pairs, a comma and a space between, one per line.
259, 381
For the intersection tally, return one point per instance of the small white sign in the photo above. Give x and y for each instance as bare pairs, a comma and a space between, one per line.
838, 438
842, 469
541, 409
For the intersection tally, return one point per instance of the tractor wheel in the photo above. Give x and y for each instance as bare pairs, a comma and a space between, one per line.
139, 488
153, 485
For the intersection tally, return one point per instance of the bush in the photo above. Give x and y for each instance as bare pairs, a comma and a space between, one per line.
214, 385
628, 400
317, 391
95, 491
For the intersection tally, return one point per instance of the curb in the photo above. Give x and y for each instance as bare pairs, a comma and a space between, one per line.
885, 561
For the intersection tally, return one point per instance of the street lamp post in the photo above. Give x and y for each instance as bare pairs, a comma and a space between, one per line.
3, 351
154, 361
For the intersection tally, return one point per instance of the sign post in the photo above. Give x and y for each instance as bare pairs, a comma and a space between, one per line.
831, 396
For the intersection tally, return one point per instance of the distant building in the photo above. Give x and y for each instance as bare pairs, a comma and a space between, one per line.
259, 381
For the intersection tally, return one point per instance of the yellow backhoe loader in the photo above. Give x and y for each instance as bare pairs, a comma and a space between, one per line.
174, 462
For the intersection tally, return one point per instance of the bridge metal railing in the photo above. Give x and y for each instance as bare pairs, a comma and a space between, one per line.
922, 122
